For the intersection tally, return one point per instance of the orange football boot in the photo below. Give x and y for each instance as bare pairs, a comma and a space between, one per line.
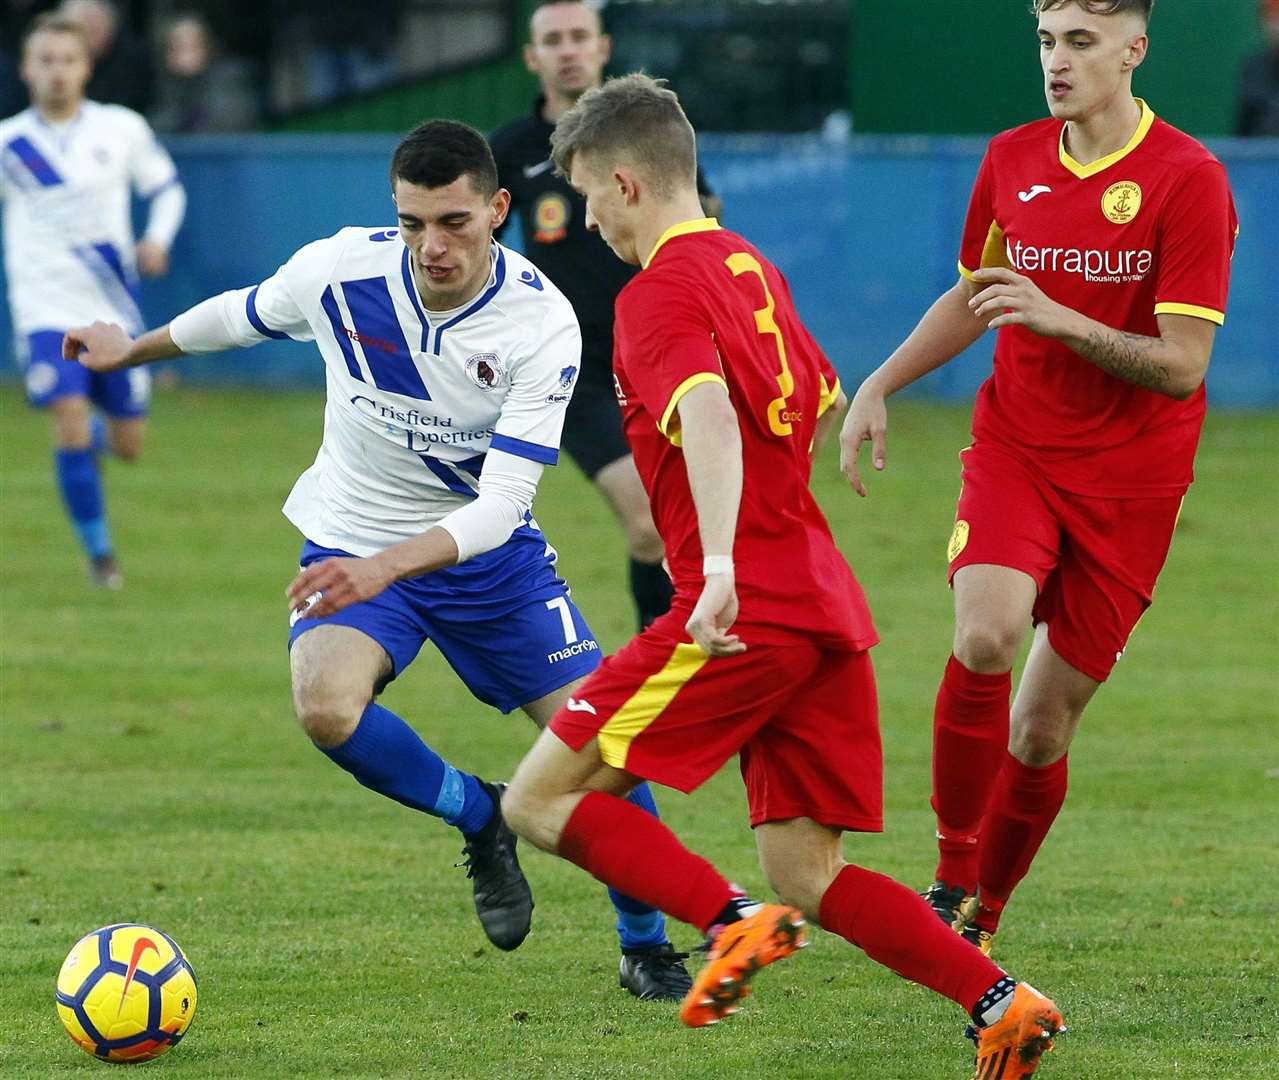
740, 949
1011, 1047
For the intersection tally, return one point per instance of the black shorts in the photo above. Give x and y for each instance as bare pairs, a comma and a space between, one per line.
593, 426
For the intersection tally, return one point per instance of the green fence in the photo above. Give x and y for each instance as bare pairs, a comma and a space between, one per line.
972, 66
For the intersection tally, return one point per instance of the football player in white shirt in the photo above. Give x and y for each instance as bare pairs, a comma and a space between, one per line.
67, 166
449, 362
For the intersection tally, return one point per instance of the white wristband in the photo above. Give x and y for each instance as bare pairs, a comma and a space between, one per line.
717, 564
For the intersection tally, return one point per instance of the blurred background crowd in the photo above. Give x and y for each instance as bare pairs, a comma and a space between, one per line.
839, 133
195, 66
239, 65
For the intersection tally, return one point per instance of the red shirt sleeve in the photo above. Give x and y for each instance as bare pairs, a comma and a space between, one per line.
666, 342
1196, 240
983, 238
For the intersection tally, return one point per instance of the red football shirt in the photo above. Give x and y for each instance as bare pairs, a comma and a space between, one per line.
709, 306
1144, 231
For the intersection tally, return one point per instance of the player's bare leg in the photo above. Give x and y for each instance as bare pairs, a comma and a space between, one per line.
800, 859
1031, 787
541, 710
650, 968
125, 435
71, 416
80, 482
550, 782
1050, 701
619, 481
992, 611
970, 725
804, 863
620, 484
336, 671
568, 802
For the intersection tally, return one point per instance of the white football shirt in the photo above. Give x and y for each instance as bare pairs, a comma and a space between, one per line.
417, 401
68, 237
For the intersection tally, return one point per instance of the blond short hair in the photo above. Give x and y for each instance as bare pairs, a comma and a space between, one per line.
636, 116
53, 22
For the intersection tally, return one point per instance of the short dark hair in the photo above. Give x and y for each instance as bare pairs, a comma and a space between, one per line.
437, 152
635, 115
1097, 7
559, 3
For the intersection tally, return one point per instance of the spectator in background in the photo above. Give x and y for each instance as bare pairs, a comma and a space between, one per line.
198, 89
345, 47
1259, 80
122, 69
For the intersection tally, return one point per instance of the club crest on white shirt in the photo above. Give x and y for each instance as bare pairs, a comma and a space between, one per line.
485, 370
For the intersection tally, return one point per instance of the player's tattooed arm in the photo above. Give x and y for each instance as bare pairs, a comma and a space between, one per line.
1171, 363
1132, 357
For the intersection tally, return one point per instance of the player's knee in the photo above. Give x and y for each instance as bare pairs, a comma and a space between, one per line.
800, 887
643, 540
126, 451
987, 647
1040, 739
520, 811
328, 714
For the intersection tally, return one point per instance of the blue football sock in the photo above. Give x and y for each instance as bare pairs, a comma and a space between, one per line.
385, 754
638, 925
81, 488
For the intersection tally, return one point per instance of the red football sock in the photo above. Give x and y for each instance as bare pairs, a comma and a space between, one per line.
622, 846
970, 736
894, 927
1022, 809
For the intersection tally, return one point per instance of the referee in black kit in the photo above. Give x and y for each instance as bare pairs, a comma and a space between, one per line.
567, 51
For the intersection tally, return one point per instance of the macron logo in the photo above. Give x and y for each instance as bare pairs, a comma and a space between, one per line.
1037, 189
573, 705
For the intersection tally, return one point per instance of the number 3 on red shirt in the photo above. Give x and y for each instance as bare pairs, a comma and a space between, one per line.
742, 262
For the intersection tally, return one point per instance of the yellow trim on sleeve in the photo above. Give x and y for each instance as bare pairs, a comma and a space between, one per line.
1101, 164
682, 229
1193, 310
829, 395
993, 251
647, 703
663, 425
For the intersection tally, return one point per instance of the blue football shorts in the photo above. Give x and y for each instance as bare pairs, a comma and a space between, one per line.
503, 620
122, 394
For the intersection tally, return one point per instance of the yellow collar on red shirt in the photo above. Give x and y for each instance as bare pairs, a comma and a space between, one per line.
1082, 172
706, 224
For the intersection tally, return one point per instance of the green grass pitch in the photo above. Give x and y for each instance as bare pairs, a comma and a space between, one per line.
152, 771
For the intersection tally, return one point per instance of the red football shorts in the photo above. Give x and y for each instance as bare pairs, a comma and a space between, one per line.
1094, 560
804, 720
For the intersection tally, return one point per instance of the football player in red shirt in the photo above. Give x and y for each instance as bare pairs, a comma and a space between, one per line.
1098, 244
764, 652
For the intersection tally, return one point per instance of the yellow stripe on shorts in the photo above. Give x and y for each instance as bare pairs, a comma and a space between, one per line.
646, 704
